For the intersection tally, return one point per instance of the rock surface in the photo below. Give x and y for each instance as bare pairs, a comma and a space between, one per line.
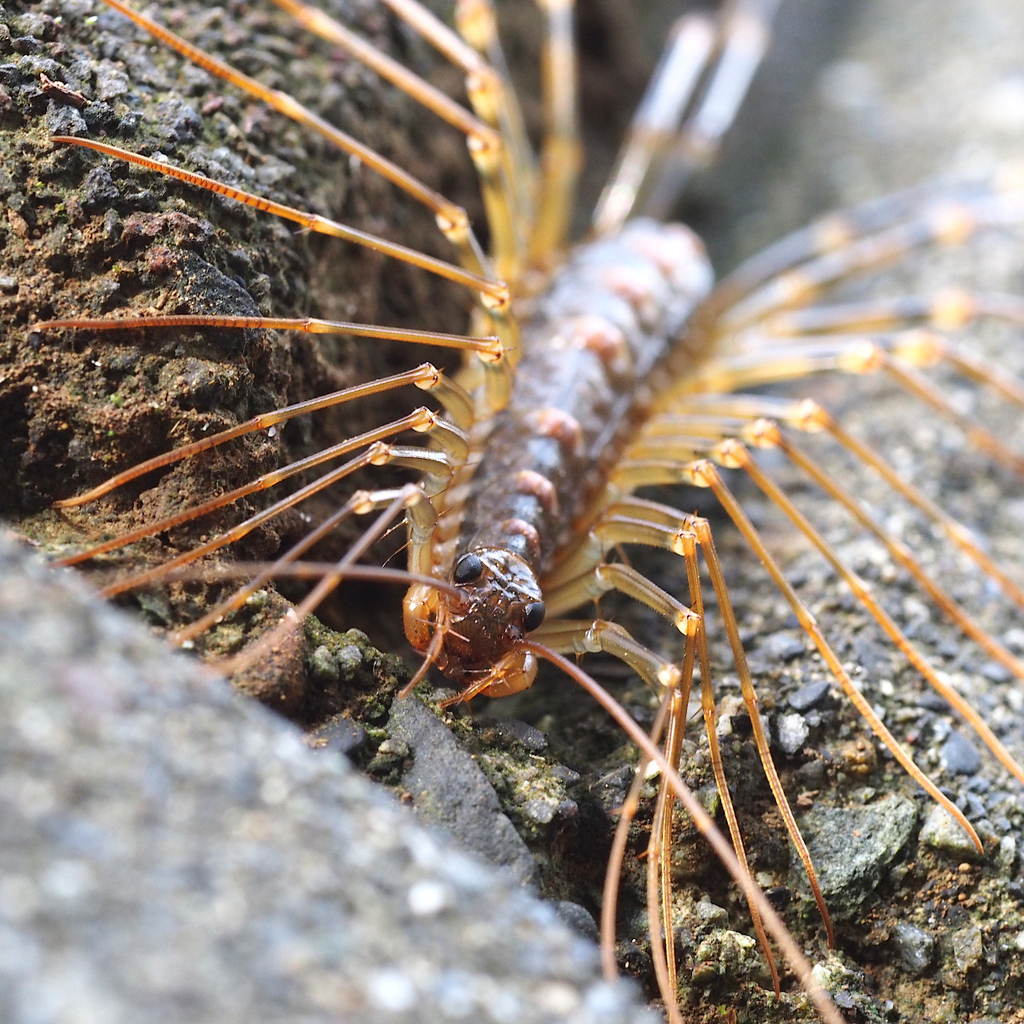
171, 852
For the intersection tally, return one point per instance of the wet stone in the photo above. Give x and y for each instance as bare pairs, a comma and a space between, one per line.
958, 755
915, 947
852, 846
808, 696
792, 732
942, 831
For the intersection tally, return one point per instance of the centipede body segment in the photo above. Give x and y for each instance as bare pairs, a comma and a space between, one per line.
611, 375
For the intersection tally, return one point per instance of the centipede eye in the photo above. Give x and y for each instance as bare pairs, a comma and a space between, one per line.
534, 616
467, 569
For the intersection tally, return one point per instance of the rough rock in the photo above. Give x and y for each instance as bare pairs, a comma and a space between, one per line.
171, 852
851, 846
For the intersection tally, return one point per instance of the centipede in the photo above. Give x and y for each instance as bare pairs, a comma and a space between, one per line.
608, 463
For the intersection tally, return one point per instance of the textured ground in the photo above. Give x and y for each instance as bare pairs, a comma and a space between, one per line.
914, 92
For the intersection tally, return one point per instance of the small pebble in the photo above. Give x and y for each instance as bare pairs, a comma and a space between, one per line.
967, 947
809, 695
1006, 858
915, 947
782, 646
958, 755
996, 672
712, 915
792, 732
942, 831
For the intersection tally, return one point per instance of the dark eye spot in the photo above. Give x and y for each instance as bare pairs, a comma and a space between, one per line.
534, 616
467, 569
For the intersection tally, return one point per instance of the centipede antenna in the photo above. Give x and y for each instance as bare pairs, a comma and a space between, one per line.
792, 952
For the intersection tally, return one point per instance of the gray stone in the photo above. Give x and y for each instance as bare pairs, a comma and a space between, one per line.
967, 947
449, 791
915, 947
851, 847
781, 646
171, 852
942, 831
958, 756
792, 732
808, 696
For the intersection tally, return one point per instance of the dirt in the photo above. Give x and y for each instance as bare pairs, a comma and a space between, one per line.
86, 235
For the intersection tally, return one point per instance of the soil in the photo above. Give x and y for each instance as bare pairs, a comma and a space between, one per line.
84, 235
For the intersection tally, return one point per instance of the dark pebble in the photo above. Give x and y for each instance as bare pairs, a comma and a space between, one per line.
578, 918
958, 756
449, 790
100, 191
996, 672
529, 736
931, 700
809, 695
63, 120
782, 646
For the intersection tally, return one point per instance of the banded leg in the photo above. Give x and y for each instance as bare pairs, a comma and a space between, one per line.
809, 417
859, 356
486, 146
799, 267
634, 522
570, 637
745, 37
689, 48
451, 218
732, 453
561, 152
792, 952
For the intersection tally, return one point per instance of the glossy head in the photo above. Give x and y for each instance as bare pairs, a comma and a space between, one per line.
498, 603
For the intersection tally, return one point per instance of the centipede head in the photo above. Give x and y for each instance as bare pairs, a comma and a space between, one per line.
498, 602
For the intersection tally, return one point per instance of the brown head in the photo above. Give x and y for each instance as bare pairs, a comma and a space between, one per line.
498, 602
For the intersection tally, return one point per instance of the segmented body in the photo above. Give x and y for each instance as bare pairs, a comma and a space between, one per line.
526, 495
